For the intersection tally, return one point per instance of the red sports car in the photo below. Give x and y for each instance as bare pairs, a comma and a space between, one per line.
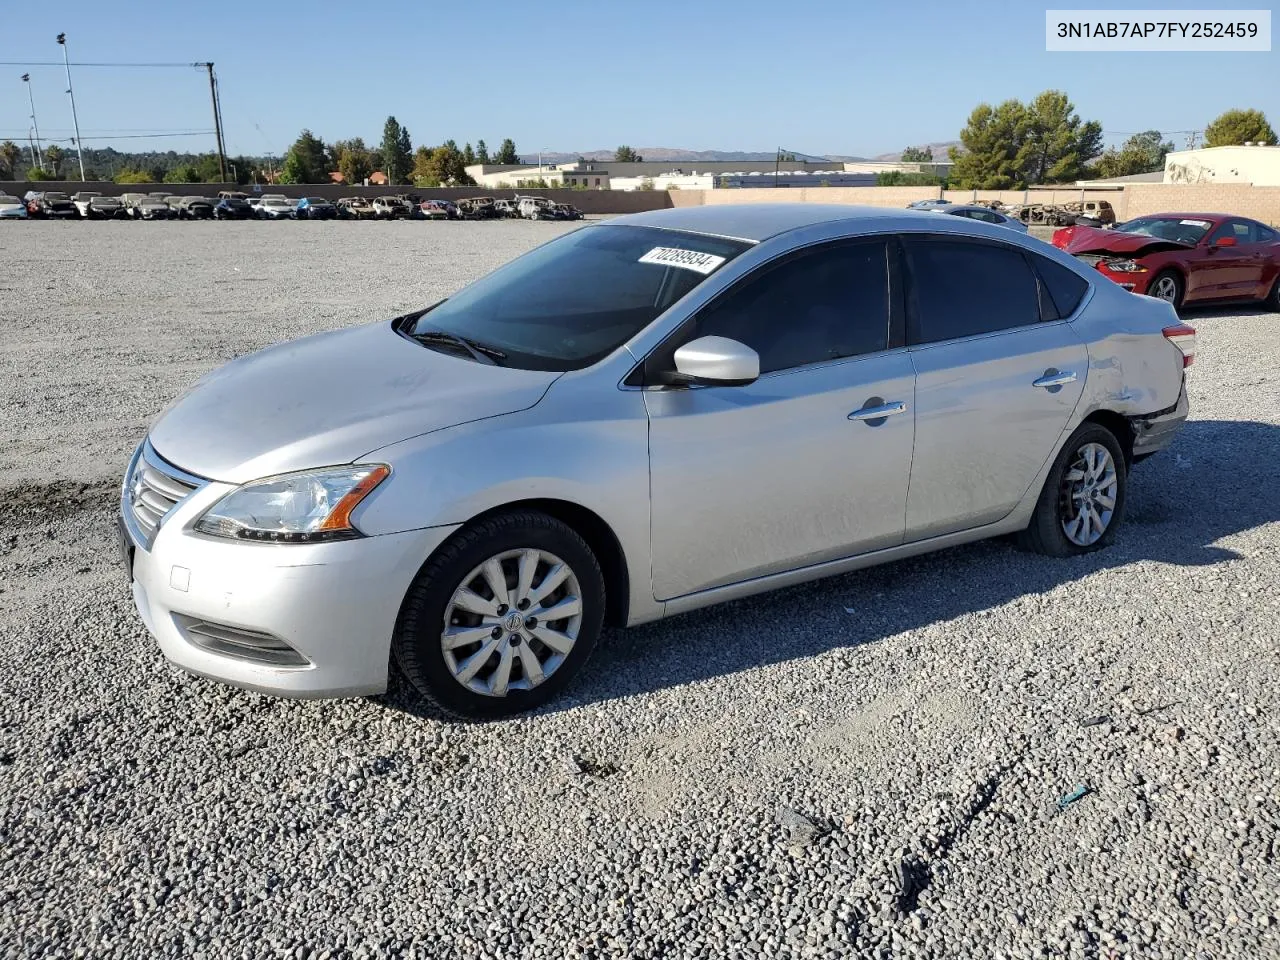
1184, 257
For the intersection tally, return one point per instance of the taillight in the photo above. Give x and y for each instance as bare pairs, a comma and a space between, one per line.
1184, 338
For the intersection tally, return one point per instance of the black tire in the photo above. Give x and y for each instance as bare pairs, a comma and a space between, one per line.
417, 642
1272, 302
1178, 286
1045, 533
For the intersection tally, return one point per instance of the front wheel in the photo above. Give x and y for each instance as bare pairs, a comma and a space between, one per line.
1167, 286
502, 617
1083, 497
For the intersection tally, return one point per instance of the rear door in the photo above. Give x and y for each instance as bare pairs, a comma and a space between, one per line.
995, 381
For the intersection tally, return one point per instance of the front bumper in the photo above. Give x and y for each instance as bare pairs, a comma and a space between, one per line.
333, 606
1134, 282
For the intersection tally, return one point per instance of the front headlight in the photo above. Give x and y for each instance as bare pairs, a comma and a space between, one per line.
309, 507
1124, 266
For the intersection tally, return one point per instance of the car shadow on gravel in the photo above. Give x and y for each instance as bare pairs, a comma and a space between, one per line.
1219, 478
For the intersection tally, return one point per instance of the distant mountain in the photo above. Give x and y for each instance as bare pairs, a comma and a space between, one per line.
672, 155
939, 148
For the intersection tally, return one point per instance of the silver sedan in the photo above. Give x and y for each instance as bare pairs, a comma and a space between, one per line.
981, 214
640, 418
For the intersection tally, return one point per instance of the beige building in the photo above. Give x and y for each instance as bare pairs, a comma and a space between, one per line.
609, 174
1252, 163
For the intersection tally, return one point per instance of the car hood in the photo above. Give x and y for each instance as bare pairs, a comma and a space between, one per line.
1078, 239
329, 399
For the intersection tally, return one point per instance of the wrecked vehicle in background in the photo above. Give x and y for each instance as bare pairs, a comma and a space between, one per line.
567, 211
355, 208
1099, 211
476, 208
1183, 257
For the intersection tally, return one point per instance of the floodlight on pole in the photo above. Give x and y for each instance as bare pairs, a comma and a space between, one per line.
75, 122
36, 149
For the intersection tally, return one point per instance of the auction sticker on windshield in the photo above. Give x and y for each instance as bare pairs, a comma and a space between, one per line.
694, 260
1195, 223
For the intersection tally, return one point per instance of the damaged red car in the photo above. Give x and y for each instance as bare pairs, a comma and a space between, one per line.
1184, 258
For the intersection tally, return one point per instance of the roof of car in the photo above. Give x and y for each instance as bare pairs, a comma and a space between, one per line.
1215, 217
757, 221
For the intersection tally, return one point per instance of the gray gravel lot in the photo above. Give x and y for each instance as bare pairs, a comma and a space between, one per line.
865, 767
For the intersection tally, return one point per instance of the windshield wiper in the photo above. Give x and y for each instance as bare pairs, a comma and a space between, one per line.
480, 352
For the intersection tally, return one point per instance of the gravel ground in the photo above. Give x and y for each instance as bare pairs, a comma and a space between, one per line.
870, 766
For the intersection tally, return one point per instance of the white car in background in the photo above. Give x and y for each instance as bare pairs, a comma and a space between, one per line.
275, 208
11, 208
82, 200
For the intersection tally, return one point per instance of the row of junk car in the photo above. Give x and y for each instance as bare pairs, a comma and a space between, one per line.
233, 205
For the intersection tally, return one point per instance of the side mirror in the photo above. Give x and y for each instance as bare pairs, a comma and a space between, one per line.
716, 361
1225, 242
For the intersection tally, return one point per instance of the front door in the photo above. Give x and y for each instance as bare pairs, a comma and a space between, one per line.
995, 386
790, 470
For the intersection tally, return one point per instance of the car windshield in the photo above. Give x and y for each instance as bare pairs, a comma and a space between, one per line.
56, 196
1188, 230
574, 300
316, 200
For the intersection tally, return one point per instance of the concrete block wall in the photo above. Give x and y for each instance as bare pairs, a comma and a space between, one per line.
1133, 200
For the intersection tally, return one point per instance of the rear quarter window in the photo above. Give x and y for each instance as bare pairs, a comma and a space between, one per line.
1065, 287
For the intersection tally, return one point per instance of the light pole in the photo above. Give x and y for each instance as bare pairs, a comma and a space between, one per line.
37, 149
62, 42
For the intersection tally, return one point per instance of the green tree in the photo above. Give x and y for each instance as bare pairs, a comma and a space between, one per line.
482, 152
468, 155
1141, 153
903, 178
134, 176
992, 140
397, 151
10, 157
54, 155
917, 155
1058, 143
353, 160
784, 156
1015, 144
625, 154
507, 153
425, 172
306, 161
1239, 126
186, 173
35, 173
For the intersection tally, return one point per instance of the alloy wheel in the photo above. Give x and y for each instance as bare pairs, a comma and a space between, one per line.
511, 622
1088, 495
1165, 288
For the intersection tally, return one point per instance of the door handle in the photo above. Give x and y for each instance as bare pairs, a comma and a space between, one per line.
879, 411
1054, 378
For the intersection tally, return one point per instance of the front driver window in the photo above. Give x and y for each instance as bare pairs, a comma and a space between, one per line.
820, 305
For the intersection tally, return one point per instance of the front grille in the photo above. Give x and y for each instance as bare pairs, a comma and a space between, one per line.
154, 488
237, 642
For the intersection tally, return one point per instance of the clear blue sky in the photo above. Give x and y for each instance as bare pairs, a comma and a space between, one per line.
819, 76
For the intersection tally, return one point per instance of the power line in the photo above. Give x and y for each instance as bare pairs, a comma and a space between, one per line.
55, 63
132, 136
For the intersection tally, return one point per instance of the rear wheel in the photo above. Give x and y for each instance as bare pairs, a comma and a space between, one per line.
1083, 497
1272, 302
1167, 286
502, 617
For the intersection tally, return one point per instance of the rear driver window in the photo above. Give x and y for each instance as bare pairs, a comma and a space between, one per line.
961, 288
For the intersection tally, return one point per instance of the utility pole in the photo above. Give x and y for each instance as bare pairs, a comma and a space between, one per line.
217, 120
37, 150
62, 42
